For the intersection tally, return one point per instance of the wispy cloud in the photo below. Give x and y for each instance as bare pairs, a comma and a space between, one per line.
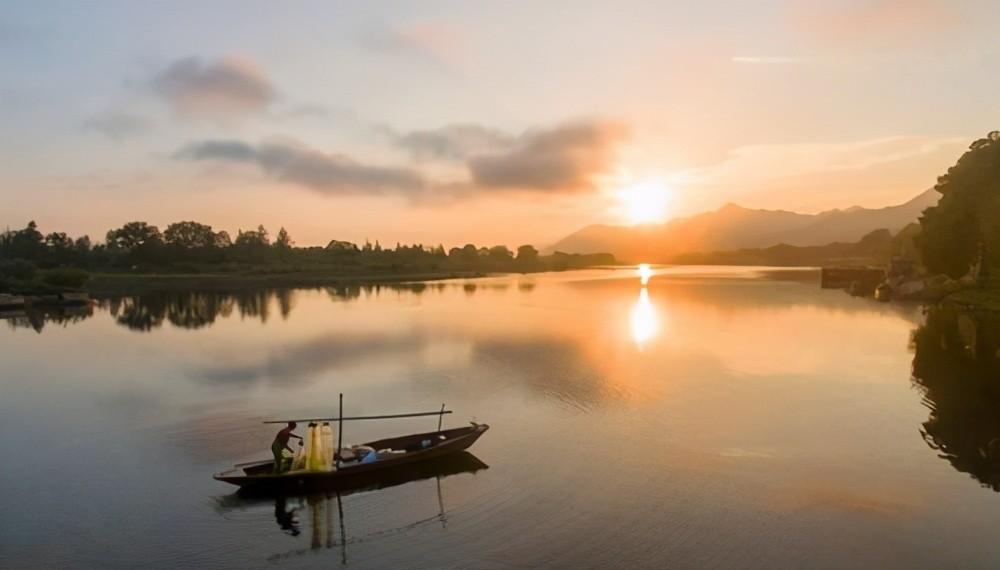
433, 41
223, 89
564, 158
325, 173
877, 23
117, 125
770, 59
812, 176
454, 142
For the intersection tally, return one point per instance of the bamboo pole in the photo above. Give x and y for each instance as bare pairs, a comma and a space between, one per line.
440, 417
385, 417
340, 432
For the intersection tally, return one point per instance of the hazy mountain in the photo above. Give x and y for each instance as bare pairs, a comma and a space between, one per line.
735, 227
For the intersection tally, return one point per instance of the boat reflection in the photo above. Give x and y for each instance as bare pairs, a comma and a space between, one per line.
643, 320
956, 364
317, 509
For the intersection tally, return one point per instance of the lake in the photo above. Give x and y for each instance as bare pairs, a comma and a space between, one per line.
712, 417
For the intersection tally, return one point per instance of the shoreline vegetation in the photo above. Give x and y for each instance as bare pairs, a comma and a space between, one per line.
138, 257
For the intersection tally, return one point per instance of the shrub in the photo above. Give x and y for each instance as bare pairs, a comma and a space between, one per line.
65, 277
17, 270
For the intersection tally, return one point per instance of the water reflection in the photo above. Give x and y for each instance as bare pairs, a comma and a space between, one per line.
36, 319
319, 510
645, 272
643, 320
305, 360
957, 364
200, 309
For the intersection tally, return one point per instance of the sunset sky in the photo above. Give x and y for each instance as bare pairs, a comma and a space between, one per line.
501, 122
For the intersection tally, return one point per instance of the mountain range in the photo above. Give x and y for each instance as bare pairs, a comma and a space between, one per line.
735, 227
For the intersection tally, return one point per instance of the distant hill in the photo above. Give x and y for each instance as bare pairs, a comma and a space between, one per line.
874, 248
733, 227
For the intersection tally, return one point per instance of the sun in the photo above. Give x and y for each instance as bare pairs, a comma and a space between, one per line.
644, 202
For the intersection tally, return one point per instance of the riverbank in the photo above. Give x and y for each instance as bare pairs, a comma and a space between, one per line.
978, 299
112, 284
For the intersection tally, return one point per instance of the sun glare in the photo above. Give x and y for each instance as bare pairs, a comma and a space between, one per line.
642, 320
645, 272
644, 202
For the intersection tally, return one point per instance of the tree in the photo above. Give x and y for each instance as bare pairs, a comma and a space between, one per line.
527, 254
500, 254
134, 235
283, 241
58, 241
189, 235
82, 244
343, 246
252, 239
965, 224
464, 256
222, 240
27, 243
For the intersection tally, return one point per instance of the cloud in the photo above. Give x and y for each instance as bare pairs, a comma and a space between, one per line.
770, 59
878, 23
326, 173
454, 142
224, 89
117, 125
564, 158
816, 176
433, 41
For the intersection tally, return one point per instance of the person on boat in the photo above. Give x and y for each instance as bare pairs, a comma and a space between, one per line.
281, 444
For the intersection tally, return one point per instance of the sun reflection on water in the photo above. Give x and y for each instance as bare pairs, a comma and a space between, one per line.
644, 273
643, 320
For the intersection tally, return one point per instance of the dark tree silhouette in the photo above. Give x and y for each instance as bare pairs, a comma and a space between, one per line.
189, 235
31, 263
966, 221
133, 236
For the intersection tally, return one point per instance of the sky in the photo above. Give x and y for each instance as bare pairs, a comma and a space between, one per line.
487, 122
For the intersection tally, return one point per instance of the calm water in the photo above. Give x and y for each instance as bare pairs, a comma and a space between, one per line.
714, 417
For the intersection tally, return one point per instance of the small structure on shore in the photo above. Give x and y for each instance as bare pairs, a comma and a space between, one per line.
858, 280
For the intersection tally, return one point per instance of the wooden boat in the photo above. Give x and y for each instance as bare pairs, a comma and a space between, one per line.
259, 476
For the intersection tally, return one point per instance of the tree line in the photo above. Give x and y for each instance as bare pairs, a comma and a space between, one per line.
30, 258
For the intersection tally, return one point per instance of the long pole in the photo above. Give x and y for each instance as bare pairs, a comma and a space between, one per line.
440, 417
385, 417
340, 433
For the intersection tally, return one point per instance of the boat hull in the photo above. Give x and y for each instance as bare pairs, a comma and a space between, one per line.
257, 477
